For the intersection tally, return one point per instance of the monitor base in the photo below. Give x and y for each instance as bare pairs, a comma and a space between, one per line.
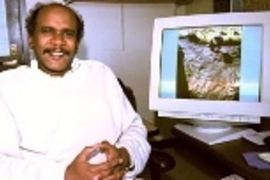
215, 135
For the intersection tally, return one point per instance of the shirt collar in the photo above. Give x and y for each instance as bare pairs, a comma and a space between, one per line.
74, 66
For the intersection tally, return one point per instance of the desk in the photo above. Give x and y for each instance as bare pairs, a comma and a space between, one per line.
226, 156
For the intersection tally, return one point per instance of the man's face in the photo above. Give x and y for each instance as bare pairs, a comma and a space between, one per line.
54, 40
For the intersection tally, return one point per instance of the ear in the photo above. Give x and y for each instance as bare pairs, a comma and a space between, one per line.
77, 47
30, 41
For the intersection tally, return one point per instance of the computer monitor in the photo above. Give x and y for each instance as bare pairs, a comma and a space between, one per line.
212, 69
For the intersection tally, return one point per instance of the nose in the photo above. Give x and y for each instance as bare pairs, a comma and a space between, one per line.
58, 39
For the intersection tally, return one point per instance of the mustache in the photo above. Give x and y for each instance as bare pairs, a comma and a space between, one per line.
64, 51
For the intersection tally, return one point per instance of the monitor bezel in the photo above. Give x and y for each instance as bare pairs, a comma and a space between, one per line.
261, 109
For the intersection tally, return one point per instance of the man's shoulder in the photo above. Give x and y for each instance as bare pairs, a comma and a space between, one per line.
97, 68
94, 65
14, 72
13, 78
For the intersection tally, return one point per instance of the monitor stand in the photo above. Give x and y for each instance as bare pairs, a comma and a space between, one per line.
213, 135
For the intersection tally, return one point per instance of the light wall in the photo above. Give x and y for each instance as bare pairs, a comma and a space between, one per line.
120, 35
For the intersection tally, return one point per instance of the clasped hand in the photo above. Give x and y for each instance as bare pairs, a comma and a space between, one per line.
112, 169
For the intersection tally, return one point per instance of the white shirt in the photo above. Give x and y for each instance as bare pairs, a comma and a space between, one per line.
45, 121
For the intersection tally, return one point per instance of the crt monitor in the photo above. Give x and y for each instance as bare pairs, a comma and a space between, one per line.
212, 68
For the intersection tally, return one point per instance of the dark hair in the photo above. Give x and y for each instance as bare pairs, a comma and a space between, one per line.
31, 19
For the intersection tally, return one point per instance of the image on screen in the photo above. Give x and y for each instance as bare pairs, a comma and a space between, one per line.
212, 63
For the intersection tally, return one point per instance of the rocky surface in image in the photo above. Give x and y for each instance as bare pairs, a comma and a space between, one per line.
212, 70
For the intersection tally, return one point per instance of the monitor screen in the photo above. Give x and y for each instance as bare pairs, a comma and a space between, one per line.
212, 63
212, 66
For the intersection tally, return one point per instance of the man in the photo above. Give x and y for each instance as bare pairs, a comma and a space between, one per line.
64, 118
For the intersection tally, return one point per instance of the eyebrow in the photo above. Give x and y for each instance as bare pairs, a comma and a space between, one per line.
63, 30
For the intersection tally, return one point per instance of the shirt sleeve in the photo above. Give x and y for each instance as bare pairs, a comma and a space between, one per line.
12, 164
133, 132
134, 140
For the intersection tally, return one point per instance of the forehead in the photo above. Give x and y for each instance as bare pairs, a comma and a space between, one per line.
56, 15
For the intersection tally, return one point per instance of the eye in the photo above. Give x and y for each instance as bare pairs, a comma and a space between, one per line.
69, 33
46, 30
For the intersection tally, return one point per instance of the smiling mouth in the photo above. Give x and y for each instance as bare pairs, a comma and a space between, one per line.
56, 54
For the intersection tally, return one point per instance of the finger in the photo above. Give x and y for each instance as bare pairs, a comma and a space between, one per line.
105, 145
116, 176
105, 166
112, 163
105, 142
96, 178
119, 168
101, 172
109, 150
87, 152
